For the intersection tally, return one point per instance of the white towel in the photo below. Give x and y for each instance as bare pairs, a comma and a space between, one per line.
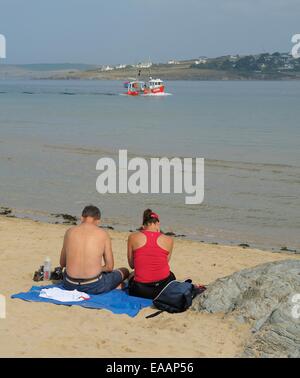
64, 295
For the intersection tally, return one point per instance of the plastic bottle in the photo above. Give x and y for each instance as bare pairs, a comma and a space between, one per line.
47, 268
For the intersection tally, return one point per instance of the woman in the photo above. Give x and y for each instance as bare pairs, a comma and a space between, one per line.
149, 253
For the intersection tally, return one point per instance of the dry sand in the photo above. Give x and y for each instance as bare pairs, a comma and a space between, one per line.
46, 330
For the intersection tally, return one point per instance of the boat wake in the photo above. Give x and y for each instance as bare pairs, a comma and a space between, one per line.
160, 94
163, 94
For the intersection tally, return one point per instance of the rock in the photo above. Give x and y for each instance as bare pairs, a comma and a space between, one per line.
240, 319
68, 219
107, 227
286, 249
5, 211
262, 296
278, 337
169, 233
244, 245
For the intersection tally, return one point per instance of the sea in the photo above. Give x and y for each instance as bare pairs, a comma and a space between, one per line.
53, 132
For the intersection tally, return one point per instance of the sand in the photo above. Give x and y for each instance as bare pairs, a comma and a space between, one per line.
46, 330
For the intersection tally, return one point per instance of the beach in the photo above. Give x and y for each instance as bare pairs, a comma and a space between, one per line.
46, 330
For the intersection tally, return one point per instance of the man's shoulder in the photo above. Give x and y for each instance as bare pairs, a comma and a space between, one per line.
71, 230
92, 230
102, 233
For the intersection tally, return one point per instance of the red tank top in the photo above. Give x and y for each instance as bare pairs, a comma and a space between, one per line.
151, 261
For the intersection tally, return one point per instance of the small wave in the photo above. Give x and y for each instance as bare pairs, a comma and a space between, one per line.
68, 93
103, 94
83, 93
89, 93
251, 166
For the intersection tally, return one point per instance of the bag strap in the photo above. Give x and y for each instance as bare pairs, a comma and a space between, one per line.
154, 314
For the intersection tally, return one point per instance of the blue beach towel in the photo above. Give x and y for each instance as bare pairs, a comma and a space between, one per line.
117, 301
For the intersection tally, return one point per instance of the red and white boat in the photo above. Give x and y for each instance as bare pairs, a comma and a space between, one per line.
151, 87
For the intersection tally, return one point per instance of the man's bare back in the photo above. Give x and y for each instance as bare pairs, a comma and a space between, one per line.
87, 251
87, 256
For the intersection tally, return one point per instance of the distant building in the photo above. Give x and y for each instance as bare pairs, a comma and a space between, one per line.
107, 68
201, 61
120, 66
173, 62
287, 67
144, 65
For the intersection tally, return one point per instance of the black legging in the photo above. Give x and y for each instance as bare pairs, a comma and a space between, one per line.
148, 290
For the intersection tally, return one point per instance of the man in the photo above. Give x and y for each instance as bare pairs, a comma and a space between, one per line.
86, 247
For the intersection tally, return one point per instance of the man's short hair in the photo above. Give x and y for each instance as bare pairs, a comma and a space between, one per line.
91, 211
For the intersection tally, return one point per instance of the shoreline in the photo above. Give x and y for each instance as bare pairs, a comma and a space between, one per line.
46, 330
69, 220
167, 79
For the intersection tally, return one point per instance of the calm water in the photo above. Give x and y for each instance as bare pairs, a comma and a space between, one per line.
53, 132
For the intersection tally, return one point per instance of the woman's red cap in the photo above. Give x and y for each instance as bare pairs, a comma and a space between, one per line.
154, 215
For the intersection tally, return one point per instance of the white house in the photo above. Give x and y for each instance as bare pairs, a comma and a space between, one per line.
201, 61
144, 65
120, 66
107, 68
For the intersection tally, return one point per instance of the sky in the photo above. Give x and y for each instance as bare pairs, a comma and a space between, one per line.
131, 31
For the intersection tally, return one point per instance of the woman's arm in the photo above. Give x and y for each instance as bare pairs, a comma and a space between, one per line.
171, 245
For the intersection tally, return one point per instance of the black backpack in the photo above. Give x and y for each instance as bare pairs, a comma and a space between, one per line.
176, 297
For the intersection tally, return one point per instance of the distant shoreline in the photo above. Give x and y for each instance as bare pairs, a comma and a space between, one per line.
66, 219
260, 67
183, 74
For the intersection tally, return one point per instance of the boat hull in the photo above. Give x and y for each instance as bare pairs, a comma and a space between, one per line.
160, 89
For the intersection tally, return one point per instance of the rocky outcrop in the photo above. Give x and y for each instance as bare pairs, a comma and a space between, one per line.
5, 211
67, 218
265, 296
